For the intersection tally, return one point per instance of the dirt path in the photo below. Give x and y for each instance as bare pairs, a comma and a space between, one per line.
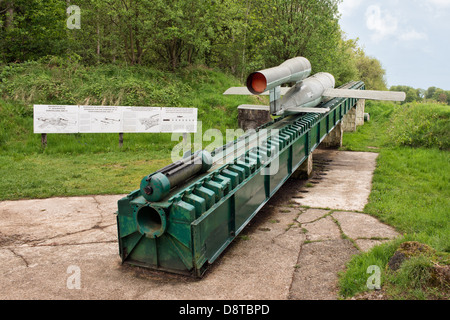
66, 248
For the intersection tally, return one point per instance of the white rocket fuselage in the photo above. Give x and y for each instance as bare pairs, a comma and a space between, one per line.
308, 93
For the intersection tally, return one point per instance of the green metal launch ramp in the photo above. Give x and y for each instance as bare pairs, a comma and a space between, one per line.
185, 215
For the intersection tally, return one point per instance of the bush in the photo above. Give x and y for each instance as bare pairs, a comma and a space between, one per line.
414, 273
421, 125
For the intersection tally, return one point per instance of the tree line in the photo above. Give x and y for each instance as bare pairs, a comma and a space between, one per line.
422, 95
237, 36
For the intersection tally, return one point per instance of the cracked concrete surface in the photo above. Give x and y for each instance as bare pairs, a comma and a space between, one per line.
343, 180
290, 250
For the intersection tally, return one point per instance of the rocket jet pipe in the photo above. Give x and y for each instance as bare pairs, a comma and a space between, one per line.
292, 70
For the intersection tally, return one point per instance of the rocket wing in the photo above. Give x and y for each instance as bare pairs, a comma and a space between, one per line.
365, 94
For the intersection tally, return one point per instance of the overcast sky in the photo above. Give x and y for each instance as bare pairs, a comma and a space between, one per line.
411, 38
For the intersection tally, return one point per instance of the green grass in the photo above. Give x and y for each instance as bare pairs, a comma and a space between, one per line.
421, 125
414, 274
372, 135
42, 176
410, 191
26, 84
78, 164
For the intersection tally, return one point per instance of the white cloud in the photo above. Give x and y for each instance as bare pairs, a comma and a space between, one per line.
439, 3
407, 33
381, 23
384, 25
438, 10
412, 35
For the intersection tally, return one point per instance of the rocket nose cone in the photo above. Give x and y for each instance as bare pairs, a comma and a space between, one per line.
257, 83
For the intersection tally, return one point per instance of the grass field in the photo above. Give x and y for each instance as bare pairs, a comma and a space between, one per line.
410, 192
74, 164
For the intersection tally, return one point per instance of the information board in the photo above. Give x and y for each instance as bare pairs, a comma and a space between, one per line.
112, 119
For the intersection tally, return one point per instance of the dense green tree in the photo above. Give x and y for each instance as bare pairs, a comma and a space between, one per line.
284, 29
32, 29
411, 93
440, 95
344, 67
182, 30
235, 35
430, 92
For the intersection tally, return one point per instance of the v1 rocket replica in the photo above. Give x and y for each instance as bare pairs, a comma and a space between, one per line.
308, 91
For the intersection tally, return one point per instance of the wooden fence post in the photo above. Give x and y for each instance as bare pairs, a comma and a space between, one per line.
44, 140
121, 140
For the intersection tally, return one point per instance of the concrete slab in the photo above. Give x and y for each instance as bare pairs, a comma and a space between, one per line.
328, 249
44, 243
311, 215
362, 226
318, 265
345, 183
323, 229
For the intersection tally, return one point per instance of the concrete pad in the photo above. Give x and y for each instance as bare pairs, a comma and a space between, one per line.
318, 265
323, 229
50, 221
362, 226
47, 245
346, 182
311, 215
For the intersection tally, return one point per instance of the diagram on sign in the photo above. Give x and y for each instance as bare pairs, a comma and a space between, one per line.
58, 121
100, 119
150, 122
55, 119
141, 119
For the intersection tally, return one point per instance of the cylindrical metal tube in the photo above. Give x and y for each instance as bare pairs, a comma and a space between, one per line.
292, 70
185, 171
156, 186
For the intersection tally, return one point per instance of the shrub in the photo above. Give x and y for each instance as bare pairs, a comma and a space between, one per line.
421, 125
